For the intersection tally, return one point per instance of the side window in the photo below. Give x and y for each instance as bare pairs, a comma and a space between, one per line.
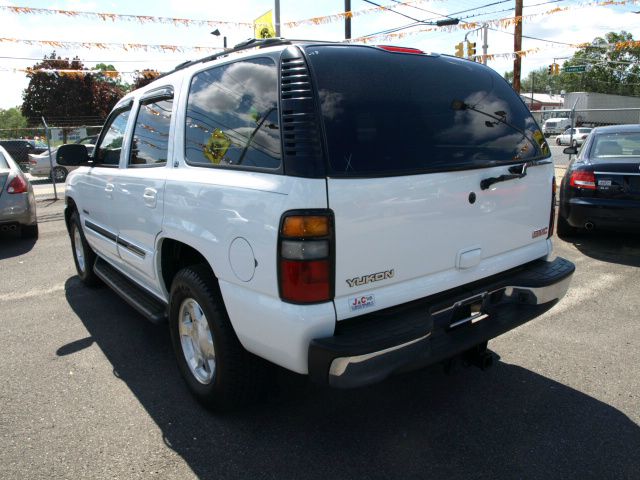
151, 134
108, 152
232, 116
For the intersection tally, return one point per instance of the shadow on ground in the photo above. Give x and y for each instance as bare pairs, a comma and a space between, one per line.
612, 247
505, 423
12, 245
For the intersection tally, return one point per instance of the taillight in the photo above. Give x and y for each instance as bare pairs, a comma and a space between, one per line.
552, 220
33, 161
17, 185
584, 137
581, 179
305, 256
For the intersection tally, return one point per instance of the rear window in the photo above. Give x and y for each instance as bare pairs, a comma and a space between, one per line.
606, 145
3, 162
391, 114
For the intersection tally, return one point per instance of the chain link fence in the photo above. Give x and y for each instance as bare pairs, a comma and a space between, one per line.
565, 127
30, 146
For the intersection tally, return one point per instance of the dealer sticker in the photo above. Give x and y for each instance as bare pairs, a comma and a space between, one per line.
361, 302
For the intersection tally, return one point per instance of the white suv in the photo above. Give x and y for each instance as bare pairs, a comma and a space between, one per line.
342, 211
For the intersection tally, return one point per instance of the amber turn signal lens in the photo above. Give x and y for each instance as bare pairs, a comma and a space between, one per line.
305, 226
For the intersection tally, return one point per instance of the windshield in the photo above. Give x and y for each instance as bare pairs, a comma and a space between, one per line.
617, 145
391, 114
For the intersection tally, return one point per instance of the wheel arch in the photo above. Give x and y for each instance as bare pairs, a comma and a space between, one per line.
68, 211
176, 255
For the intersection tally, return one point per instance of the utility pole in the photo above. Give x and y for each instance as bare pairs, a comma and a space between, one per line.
277, 9
347, 19
517, 46
485, 43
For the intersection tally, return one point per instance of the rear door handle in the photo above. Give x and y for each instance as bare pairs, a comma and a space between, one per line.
109, 187
150, 197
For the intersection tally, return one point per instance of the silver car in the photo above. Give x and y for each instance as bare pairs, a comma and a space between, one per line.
17, 201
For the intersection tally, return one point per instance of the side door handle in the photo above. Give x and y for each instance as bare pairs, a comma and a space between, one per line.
150, 197
109, 187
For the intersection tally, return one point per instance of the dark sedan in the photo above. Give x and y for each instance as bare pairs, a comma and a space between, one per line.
601, 188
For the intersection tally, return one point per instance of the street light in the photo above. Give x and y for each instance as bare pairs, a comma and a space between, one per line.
216, 32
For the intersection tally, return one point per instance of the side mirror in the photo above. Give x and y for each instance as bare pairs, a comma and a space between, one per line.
570, 151
72, 155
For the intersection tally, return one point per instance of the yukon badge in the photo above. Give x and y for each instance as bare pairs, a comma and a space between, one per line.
372, 277
539, 233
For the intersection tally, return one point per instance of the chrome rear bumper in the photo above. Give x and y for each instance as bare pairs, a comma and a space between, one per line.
434, 329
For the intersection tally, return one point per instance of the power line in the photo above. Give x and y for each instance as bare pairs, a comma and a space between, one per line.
397, 29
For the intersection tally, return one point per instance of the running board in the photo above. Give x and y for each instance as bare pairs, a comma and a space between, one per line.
145, 303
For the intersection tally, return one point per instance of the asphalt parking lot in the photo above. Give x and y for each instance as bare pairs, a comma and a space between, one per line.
91, 390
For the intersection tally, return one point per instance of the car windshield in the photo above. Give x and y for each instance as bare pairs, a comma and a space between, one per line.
626, 144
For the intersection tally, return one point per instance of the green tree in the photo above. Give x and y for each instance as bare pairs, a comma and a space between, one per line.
12, 118
612, 66
12, 123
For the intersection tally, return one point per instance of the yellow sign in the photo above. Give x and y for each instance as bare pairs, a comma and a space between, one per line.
217, 146
263, 26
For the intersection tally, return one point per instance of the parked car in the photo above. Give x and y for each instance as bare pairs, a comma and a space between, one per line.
40, 166
555, 126
579, 135
341, 232
601, 188
17, 201
19, 149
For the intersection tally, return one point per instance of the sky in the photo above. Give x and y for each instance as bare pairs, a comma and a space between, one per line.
581, 23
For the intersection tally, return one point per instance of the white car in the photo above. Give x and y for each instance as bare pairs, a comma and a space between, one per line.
40, 166
579, 135
273, 216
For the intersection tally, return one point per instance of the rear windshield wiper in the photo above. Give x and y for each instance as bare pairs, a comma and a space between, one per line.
516, 171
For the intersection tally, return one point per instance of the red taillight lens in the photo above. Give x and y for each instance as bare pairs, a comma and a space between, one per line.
391, 48
305, 257
586, 180
305, 281
17, 185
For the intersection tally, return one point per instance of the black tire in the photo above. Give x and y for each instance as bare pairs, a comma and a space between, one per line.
558, 141
58, 174
237, 376
564, 229
84, 266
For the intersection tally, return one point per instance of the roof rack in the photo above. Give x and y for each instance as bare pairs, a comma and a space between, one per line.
247, 44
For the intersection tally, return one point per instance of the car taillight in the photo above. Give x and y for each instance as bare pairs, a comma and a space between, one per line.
33, 161
581, 179
305, 256
17, 185
552, 220
584, 137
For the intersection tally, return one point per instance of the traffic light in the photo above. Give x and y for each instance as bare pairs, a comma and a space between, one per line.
459, 50
471, 49
556, 69
550, 70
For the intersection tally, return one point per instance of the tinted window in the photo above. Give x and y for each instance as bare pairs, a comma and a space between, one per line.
232, 116
389, 113
607, 145
151, 134
3, 161
108, 152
